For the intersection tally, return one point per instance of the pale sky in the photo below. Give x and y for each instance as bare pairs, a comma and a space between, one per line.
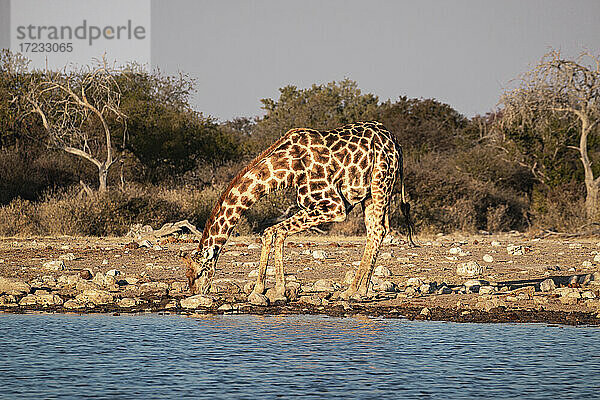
460, 52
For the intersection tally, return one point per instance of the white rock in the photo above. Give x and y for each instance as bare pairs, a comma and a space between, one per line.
56, 265
472, 282
427, 288
487, 289
95, 296
157, 247
547, 285
145, 243
196, 301
113, 272
586, 264
455, 250
495, 244
416, 282
13, 286
250, 264
325, 285
319, 255
127, 302
154, 289
105, 262
487, 258
575, 246
386, 256
67, 257
74, 304
385, 286
41, 298
425, 312
471, 268
597, 258
382, 271
253, 246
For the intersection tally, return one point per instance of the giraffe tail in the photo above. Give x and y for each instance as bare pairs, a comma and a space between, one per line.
405, 208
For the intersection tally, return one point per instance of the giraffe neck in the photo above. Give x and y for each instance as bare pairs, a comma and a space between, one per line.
245, 190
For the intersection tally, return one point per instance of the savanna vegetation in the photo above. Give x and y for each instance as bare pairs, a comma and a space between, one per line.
93, 151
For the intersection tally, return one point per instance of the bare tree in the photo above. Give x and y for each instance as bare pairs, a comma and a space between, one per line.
565, 89
79, 111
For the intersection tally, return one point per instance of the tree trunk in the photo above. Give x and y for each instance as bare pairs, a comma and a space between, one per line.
102, 177
591, 202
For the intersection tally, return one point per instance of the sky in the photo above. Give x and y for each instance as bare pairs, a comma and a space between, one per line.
463, 53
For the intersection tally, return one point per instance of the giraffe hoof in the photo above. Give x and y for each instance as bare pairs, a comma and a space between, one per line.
276, 297
257, 299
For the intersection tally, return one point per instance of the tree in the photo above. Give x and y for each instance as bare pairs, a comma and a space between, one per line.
80, 112
318, 107
564, 94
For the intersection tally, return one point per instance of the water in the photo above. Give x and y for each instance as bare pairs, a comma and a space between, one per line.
250, 357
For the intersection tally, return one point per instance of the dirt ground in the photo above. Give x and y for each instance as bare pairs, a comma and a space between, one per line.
505, 269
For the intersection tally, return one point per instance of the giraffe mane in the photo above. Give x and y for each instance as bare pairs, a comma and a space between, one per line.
217, 208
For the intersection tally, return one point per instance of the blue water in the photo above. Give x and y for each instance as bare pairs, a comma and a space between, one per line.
254, 357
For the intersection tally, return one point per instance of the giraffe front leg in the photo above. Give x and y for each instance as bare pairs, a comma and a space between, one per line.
277, 295
257, 297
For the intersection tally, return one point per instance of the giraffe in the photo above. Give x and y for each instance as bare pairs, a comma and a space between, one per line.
332, 172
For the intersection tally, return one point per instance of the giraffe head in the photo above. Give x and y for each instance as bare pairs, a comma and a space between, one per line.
200, 269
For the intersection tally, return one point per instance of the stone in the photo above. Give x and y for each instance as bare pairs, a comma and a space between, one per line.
385, 286
455, 250
95, 296
67, 257
471, 268
319, 255
427, 288
132, 280
588, 294
547, 285
158, 289
495, 243
425, 312
313, 300
178, 287
488, 258
586, 264
517, 250
349, 276
416, 282
411, 291
382, 271
8, 300
56, 265
41, 298
523, 293
488, 304
104, 280
196, 301
113, 272
597, 258
127, 302
257, 299
157, 247
225, 307
487, 289
82, 285
13, 286
386, 256
85, 274
325, 285
248, 287
68, 280
225, 285
444, 290
74, 304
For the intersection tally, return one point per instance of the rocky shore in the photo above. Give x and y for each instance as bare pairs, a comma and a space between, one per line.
484, 278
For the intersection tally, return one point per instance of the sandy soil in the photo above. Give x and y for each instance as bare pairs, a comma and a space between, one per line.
433, 261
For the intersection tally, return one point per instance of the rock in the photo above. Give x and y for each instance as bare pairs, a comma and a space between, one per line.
319, 255
444, 290
85, 274
74, 304
128, 302
196, 301
588, 294
487, 289
13, 286
487, 258
455, 250
575, 246
416, 282
586, 264
132, 280
547, 285
158, 289
253, 246
248, 287
471, 268
517, 250
157, 247
258, 299
425, 312
411, 291
403, 260
427, 288
104, 280
325, 285
56, 265
68, 280
495, 244
178, 287
145, 243
386, 256
597, 258
82, 285
95, 296
8, 300
349, 276
385, 286
225, 285
382, 271
313, 300
472, 285
113, 272
67, 257
225, 307
523, 293
488, 304
41, 298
